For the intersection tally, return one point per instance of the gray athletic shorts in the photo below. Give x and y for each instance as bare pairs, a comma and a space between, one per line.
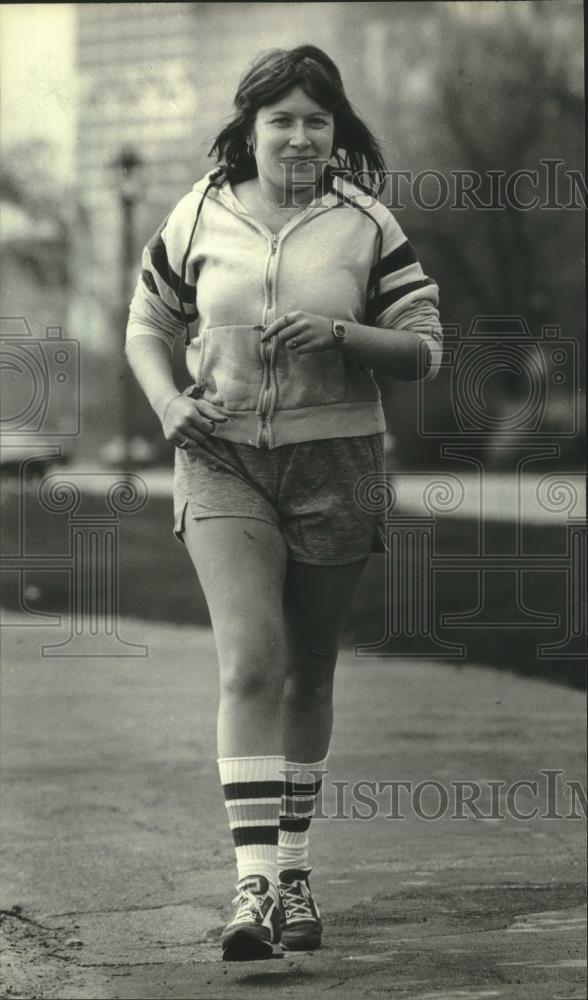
307, 490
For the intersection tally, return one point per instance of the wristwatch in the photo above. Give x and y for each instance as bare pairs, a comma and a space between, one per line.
339, 332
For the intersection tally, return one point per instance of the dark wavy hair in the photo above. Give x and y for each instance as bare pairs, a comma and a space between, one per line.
356, 153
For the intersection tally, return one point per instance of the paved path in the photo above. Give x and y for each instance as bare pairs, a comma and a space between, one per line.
119, 867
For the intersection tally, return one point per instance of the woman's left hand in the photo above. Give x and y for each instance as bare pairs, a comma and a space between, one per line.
301, 332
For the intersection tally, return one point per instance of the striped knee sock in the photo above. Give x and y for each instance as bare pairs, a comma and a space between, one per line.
252, 788
301, 787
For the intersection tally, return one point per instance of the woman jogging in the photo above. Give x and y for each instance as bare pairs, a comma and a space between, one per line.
291, 283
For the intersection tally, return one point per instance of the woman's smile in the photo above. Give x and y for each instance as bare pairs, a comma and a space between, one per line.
293, 135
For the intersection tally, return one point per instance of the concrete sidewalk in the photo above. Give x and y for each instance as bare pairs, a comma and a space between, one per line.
119, 866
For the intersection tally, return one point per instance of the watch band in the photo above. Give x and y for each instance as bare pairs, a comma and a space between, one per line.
338, 331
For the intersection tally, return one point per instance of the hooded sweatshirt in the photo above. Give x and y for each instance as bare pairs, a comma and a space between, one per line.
214, 274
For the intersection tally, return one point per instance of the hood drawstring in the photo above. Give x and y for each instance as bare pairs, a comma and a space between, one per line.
344, 199
212, 183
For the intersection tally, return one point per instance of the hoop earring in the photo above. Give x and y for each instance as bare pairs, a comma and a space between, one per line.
250, 146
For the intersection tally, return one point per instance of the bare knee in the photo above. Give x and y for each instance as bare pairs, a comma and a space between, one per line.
243, 681
309, 678
252, 666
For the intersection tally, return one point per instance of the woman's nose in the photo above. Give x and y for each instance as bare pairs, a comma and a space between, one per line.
299, 137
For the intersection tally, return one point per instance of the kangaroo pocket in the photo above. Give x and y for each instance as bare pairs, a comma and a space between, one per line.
231, 366
319, 378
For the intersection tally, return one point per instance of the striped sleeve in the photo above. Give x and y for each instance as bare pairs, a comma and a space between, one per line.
163, 304
401, 296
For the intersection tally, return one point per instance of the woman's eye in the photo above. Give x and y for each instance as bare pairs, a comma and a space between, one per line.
314, 122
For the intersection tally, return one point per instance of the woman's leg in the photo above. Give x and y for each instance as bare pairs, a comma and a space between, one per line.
316, 603
241, 565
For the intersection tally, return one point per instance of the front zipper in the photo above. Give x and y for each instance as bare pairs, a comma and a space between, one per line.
268, 349
268, 354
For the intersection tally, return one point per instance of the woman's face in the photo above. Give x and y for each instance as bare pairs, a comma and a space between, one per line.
293, 142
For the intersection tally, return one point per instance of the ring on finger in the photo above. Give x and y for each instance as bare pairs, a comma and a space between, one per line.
184, 443
294, 343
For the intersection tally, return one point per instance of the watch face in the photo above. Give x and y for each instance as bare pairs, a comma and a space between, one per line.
339, 331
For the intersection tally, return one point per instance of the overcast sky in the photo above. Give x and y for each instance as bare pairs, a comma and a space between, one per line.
37, 76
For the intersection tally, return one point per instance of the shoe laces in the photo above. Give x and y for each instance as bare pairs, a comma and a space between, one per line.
248, 905
297, 899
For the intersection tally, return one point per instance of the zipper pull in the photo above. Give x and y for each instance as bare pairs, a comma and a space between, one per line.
274, 243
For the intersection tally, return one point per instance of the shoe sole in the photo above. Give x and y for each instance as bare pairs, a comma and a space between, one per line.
245, 946
310, 941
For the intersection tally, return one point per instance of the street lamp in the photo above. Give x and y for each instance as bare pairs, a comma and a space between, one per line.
128, 169
128, 173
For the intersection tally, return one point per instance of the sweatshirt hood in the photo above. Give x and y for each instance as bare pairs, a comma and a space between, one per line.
223, 192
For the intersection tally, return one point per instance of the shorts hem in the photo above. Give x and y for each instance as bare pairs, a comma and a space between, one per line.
180, 516
328, 562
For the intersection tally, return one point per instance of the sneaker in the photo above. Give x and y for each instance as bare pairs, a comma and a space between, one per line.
302, 927
255, 927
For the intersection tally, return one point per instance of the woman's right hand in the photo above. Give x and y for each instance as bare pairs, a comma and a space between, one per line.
191, 420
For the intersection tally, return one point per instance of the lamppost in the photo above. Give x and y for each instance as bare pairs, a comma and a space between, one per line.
128, 170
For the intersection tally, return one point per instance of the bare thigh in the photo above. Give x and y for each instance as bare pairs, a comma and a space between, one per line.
316, 604
259, 599
241, 566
